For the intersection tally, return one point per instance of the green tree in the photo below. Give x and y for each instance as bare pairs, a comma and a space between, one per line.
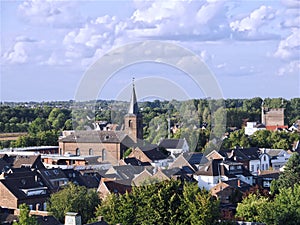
198, 206
252, 208
163, 203
283, 209
290, 176
74, 198
25, 218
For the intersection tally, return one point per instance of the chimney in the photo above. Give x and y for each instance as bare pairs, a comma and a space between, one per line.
72, 218
100, 218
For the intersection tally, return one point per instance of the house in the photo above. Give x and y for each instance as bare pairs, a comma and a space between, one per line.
143, 178
194, 158
216, 170
74, 176
252, 127
110, 186
31, 161
181, 162
54, 178
174, 146
264, 178
152, 154
109, 145
133, 162
295, 127
226, 193
24, 186
278, 157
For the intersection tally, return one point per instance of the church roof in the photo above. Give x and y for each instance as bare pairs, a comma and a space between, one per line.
133, 107
93, 136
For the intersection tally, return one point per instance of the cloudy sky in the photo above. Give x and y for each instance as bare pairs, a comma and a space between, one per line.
252, 48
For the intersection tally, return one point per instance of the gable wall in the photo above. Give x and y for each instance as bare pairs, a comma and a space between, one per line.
7, 199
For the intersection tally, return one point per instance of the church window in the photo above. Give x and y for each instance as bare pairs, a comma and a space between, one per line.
77, 151
129, 123
91, 152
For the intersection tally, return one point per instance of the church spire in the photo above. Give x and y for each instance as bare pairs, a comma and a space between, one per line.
133, 107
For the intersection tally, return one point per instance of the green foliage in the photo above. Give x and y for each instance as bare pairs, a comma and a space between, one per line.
127, 152
164, 203
189, 115
261, 138
252, 208
74, 198
283, 209
25, 218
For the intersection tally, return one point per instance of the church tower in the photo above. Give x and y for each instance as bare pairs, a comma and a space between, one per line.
133, 119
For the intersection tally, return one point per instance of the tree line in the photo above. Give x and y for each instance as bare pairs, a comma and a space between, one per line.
189, 118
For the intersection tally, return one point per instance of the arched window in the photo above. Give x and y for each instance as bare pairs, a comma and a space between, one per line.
91, 152
77, 151
104, 154
264, 157
129, 123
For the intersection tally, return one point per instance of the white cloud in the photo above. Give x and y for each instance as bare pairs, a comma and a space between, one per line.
291, 3
49, 12
289, 47
180, 20
250, 27
18, 54
291, 68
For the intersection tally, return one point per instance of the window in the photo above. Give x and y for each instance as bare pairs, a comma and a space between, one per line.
263, 167
129, 123
103, 154
252, 168
77, 151
265, 158
45, 206
91, 152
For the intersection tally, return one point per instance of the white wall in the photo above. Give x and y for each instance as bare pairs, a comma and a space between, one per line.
207, 182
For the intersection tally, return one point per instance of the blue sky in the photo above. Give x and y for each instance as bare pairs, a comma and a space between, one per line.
252, 48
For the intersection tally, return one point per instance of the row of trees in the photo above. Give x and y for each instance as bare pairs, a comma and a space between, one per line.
165, 203
190, 116
261, 138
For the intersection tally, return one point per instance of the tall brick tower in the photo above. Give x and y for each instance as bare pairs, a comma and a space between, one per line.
133, 119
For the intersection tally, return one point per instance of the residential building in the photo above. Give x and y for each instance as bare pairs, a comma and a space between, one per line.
174, 146
252, 127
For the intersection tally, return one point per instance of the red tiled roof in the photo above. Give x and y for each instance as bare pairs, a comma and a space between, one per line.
273, 128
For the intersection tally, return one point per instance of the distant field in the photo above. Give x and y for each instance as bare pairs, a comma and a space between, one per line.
11, 136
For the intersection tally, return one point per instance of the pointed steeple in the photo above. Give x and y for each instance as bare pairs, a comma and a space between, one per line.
133, 107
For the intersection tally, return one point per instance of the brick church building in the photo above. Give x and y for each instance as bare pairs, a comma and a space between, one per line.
109, 145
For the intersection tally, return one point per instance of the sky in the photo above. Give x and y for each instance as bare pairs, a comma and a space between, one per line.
251, 48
